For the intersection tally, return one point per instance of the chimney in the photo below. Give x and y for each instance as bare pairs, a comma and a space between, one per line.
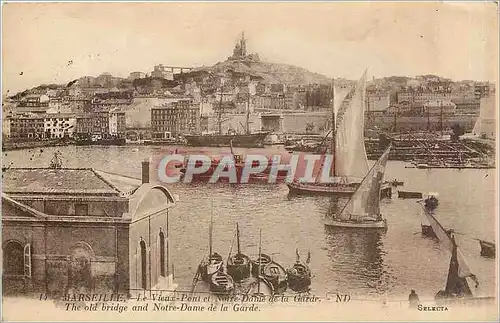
145, 171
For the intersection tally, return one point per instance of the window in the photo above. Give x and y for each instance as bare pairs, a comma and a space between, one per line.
17, 259
81, 209
144, 277
162, 254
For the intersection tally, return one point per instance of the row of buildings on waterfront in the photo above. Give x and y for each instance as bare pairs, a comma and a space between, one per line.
39, 126
166, 103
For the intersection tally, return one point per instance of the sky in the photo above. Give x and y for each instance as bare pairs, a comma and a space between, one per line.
58, 42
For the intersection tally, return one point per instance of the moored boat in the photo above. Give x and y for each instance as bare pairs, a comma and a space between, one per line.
221, 283
350, 162
362, 210
276, 275
488, 249
239, 265
299, 276
251, 140
259, 263
409, 195
261, 286
431, 202
213, 264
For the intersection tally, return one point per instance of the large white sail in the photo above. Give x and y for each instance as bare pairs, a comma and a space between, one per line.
464, 270
350, 153
364, 204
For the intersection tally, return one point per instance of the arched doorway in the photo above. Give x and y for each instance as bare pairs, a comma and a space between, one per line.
13, 259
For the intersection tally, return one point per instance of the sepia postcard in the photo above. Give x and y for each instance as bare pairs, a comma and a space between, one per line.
249, 161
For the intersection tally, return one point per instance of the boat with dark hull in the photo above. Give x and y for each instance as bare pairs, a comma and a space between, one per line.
299, 276
100, 140
488, 249
212, 265
276, 275
239, 265
431, 202
409, 195
259, 263
250, 140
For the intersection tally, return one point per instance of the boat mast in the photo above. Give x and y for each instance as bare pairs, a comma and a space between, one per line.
247, 124
334, 133
210, 230
238, 237
260, 260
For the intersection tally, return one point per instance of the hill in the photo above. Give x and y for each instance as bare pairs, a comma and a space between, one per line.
267, 72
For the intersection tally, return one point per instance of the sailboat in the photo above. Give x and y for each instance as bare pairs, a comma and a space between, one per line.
239, 265
350, 162
461, 282
299, 276
247, 139
213, 266
261, 286
362, 210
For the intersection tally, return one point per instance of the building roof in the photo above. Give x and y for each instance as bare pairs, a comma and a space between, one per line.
47, 181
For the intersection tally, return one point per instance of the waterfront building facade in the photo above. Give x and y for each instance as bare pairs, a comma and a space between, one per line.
59, 125
423, 96
27, 127
437, 107
175, 118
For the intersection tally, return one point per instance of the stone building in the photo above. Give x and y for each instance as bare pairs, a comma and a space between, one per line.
175, 118
29, 126
73, 230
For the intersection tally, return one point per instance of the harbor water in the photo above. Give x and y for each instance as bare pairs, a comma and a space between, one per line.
363, 264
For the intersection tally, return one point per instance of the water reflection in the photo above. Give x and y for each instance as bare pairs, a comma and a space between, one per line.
356, 259
355, 256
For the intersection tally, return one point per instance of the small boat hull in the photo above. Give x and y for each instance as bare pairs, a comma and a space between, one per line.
382, 224
239, 267
277, 276
222, 283
264, 260
211, 266
409, 195
322, 189
299, 278
488, 249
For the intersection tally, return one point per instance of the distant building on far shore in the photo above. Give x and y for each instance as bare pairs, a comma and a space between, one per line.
162, 72
136, 75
